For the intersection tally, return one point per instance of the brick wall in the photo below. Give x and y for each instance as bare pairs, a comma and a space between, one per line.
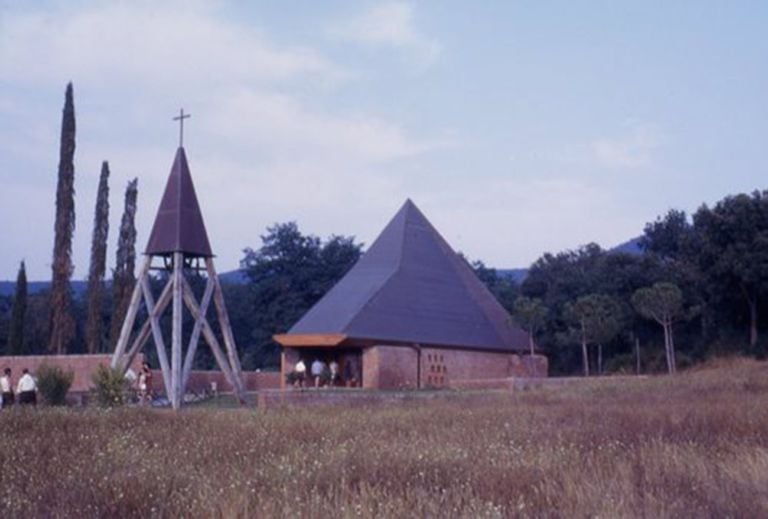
200, 381
389, 367
399, 367
83, 366
394, 367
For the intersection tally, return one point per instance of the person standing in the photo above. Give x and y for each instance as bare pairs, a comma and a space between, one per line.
141, 386
334, 368
301, 373
6, 388
318, 366
27, 388
145, 384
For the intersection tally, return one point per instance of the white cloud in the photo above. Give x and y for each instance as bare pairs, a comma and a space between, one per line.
258, 152
389, 25
633, 149
157, 44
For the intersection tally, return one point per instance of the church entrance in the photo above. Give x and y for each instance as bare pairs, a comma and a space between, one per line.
336, 367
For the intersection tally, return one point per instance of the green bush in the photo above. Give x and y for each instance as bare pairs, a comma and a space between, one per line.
54, 383
109, 386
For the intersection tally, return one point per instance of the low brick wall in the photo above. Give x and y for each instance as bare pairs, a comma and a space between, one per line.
200, 381
83, 366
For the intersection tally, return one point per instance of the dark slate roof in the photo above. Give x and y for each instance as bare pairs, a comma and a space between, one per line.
179, 223
411, 287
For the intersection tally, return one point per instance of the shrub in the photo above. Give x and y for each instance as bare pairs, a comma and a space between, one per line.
109, 386
54, 383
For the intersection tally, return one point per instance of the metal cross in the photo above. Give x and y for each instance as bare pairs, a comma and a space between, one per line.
181, 118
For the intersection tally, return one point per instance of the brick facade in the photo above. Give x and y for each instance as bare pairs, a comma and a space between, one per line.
392, 367
401, 367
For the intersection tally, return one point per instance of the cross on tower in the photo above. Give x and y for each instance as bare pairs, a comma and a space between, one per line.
181, 118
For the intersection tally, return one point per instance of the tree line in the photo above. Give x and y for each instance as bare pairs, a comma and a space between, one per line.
699, 289
55, 321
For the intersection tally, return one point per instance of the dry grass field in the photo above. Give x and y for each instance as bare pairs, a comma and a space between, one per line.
691, 446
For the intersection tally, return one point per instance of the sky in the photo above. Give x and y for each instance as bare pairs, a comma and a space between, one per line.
518, 128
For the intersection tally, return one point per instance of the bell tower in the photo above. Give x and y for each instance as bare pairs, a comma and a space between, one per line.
179, 246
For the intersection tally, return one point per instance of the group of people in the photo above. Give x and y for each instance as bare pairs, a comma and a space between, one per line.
322, 374
26, 389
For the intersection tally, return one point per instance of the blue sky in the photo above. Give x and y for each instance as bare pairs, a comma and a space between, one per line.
517, 127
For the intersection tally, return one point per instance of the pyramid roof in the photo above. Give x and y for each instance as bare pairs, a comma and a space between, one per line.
179, 225
409, 287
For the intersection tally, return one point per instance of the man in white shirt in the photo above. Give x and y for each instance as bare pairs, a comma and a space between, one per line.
301, 373
27, 388
6, 389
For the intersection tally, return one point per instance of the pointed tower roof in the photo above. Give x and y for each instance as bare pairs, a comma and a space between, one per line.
179, 225
410, 287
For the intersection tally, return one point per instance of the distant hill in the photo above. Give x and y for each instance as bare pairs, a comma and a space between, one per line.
516, 275
630, 247
79, 287
33, 287
237, 277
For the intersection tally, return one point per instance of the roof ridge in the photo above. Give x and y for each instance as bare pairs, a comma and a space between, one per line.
384, 282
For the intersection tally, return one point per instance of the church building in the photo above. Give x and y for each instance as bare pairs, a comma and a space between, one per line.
411, 313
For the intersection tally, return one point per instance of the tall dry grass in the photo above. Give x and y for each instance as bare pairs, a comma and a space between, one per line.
691, 446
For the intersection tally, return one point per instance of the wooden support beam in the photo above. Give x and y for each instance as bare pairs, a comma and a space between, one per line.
226, 328
178, 288
194, 339
157, 334
130, 317
143, 335
212, 341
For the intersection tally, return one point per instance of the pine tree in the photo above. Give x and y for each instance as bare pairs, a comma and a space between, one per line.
94, 325
123, 277
18, 312
62, 324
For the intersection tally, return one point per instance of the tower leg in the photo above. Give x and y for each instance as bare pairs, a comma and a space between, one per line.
130, 318
157, 334
194, 339
213, 343
175, 397
226, 329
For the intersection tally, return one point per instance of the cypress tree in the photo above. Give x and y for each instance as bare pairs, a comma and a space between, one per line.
123, 277
94, 326
18, 312
62, 323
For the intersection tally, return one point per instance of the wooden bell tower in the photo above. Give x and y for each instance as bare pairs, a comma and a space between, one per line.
179, 246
